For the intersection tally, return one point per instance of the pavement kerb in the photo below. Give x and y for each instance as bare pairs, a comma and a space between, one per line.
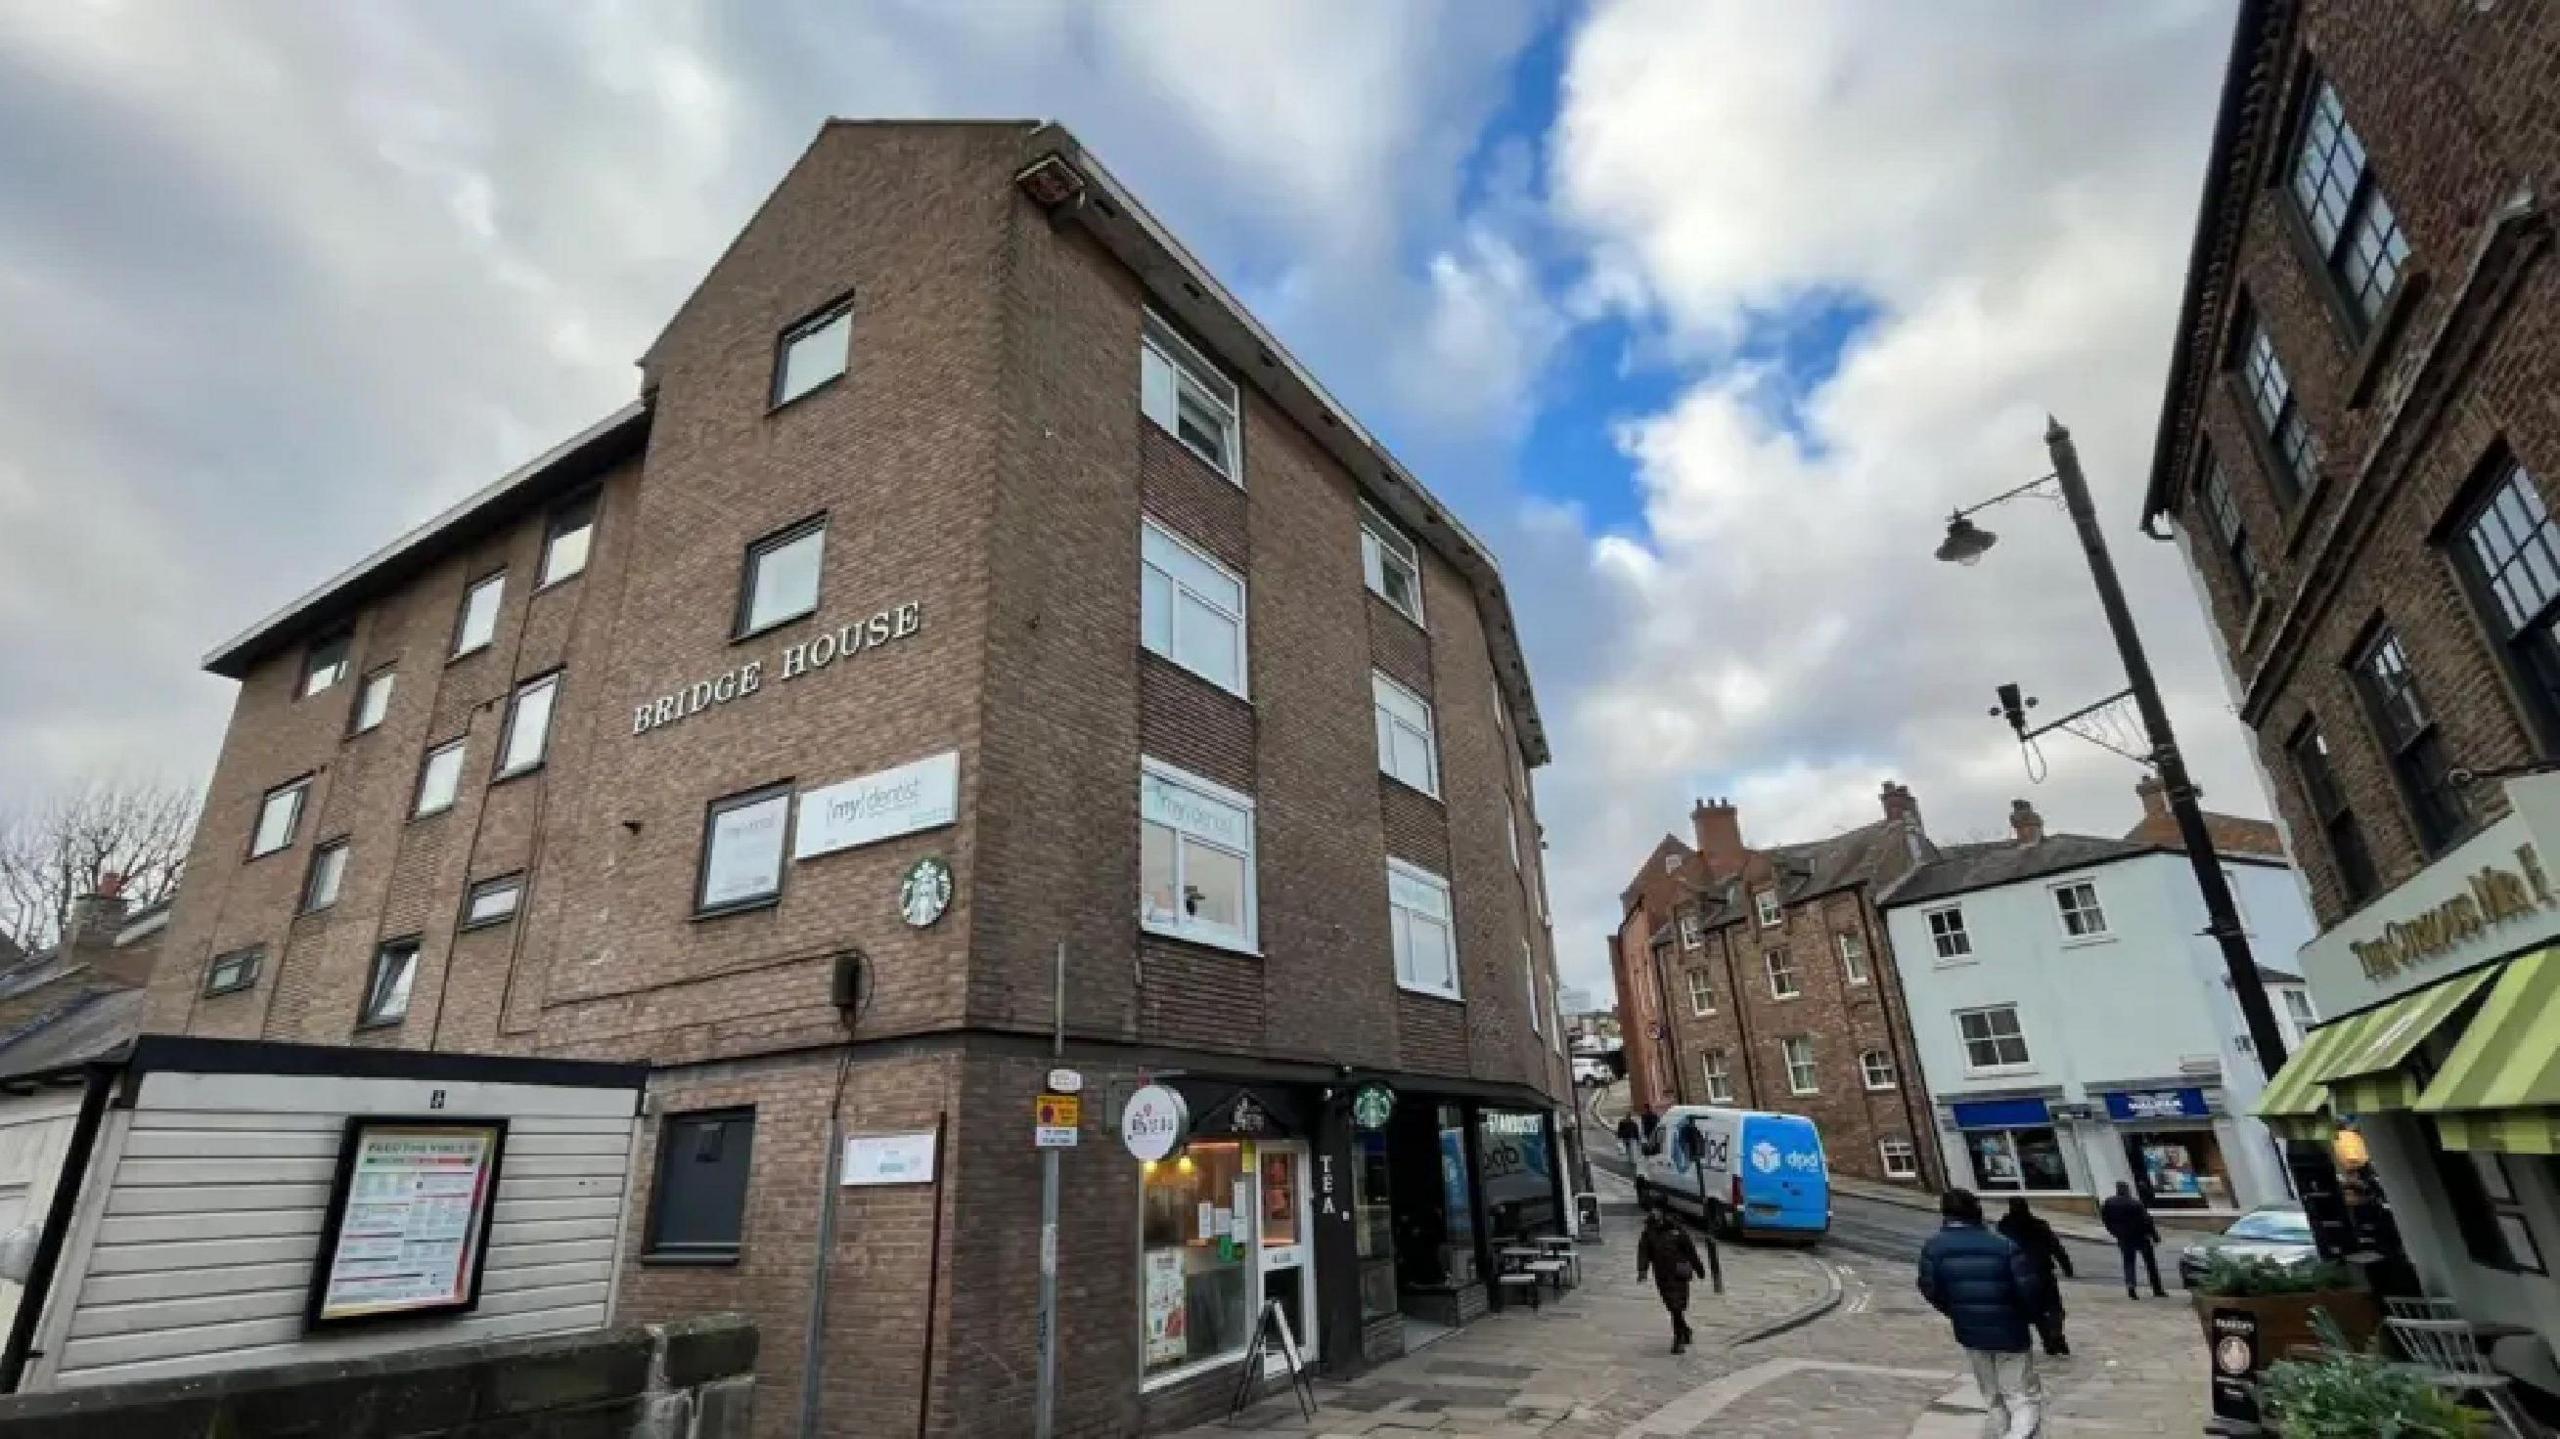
1828, 1301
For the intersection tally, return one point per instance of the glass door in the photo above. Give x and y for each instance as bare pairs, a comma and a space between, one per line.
1287, 1250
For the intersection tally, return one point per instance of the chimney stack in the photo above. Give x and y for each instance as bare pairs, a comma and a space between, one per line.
2154, 795
1719, 831
2024, 822
1900, 804
97, 915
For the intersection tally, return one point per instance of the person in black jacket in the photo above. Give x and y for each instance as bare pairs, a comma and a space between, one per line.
1991, 1294
1664, 1251
2135, 1234
2044, 1248
1630, 1135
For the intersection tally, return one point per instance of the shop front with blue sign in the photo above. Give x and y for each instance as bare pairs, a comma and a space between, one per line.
2171, 1145
2013, 1146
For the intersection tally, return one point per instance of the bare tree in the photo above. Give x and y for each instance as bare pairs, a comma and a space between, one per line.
58, 848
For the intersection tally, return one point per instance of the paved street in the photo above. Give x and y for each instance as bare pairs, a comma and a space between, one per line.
1596, 1365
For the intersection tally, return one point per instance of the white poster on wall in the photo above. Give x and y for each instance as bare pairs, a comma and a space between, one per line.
869, 808
889, 1158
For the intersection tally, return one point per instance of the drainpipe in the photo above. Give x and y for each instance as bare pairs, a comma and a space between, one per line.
1741, 1019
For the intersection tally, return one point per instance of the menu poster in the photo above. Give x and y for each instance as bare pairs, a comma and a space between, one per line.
408, 1221
1168, 1336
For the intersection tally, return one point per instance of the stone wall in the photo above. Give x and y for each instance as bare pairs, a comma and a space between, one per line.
692, 1379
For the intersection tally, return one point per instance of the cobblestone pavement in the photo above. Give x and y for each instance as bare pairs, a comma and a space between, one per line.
1596, 1364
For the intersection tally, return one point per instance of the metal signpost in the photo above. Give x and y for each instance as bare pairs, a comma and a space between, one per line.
1693, 1144
1044, 1421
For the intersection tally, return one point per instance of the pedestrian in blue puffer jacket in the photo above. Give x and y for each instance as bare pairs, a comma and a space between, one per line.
1991, 1292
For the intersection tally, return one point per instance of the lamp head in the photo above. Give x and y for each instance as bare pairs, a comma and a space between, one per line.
1965, 541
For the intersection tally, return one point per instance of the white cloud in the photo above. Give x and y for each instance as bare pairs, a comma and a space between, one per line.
2011, 189
1488, 332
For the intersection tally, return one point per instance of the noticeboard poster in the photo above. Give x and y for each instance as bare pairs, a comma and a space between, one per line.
408, 1223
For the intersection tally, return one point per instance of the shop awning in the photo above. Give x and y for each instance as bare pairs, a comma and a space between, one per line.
2294, 1104
2500, 1088
2366, 1076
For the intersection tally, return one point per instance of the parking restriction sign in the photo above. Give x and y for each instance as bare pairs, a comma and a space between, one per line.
1054, 1121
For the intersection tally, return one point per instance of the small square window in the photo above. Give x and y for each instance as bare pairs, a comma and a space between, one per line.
1876, 1067
742, 842
813, 352
477, 627
567, 539
1947, 934
325, 663
373, 699
698, 1207
1766, 903
781, 582
386, 990
1393, 569
233, 972
1184, 394
2077, 902
328, 871
439, 779
492, 901
279, 816
1802, 1077
528, 733
1901, 1161
1992, 1039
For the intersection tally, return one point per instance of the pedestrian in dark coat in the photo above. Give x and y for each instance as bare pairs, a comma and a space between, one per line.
1630, 1135
1665, 1252
2043, 1248
1991, 1293
2135, 1235
1648, 1124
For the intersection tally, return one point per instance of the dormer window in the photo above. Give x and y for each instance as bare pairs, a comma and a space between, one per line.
1766, 903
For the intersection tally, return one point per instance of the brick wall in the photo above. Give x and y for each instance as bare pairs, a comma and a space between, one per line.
2452, 105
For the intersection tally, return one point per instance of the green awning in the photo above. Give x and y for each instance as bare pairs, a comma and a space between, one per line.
2366, 1075
2500, 1088
2294, 1100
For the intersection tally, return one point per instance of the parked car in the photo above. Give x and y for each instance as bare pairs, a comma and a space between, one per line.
1592, 1069
2276, 1231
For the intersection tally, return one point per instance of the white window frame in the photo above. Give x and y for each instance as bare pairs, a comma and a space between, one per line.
2298, 1006
2063, 910
1869, 1061
1162, 552
1787, 1050
1702, 992
2024, 1064
1169, 371
1782, 961
1693, 935
369, 713
542, 693
475, 629
1891, 1149
1398, 931
1946, 924
1771, 913
1852, 949
1717, 1068
1382, 543
1248, 940
1385, 697
295, 794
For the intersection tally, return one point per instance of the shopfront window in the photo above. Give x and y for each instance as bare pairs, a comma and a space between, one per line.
1195, 1224
1458, 1256
2017, 1158
1373, 1219
1519, 1182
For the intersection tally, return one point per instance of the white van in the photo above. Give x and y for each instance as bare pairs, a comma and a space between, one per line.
1747, 1172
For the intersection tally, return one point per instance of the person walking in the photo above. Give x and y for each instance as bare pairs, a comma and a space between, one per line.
1664, 1251
1991, 1293
1646, 1126
2130, 1225
2036, 1239
1630, 1135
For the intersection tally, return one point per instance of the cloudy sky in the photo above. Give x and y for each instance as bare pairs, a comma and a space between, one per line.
1704, 313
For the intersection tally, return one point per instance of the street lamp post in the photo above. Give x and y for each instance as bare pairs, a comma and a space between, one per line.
1964, 544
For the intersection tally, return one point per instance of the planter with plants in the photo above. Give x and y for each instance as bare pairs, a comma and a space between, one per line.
2284, 1296
2343, 1392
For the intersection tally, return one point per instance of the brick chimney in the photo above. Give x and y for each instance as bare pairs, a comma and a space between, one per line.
2154, 796
1719, 831
97, 915
1901, 804
2024, 822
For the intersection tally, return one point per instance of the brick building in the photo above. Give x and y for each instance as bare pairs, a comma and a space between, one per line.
978, 617
2356, 452
1778, 981
1661, 884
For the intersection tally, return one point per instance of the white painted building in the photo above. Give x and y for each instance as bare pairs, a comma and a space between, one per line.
2075, 1024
